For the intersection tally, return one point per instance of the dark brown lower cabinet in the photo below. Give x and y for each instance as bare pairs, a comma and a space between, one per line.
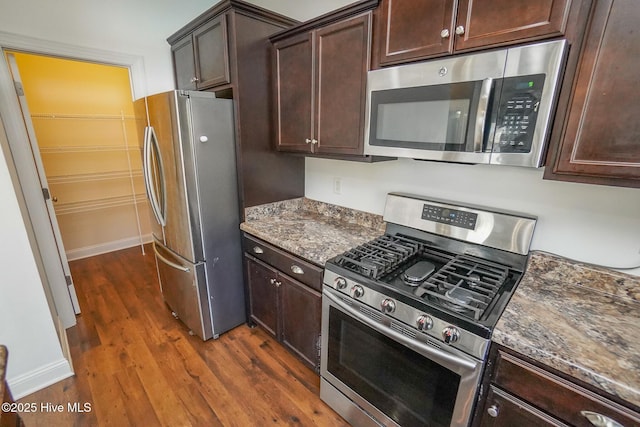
263, 300
522, 392
300, 310
287, 308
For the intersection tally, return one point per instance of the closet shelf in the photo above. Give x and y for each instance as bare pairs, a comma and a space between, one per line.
88, 177
83, 116
97, 204
88, 149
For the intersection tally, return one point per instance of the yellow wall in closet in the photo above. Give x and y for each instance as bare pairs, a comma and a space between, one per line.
83, 116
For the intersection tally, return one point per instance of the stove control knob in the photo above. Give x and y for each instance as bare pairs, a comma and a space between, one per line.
340, 282
450, 334
357, 291
424, 322
388, 305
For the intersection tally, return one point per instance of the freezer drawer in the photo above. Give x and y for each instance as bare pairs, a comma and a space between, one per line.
184, 290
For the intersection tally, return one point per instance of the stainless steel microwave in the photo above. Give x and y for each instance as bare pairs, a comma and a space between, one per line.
490, 107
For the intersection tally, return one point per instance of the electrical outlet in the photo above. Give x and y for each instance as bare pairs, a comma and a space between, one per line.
337, 185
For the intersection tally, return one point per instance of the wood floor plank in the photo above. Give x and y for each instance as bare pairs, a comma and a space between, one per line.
137, 365
139, 408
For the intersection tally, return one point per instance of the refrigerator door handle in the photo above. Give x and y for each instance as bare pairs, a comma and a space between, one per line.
170, 263
145, 163
152, 148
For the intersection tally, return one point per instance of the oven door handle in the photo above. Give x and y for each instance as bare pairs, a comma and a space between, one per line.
444, 359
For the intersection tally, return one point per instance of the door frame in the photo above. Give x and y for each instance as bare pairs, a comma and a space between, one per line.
29, 182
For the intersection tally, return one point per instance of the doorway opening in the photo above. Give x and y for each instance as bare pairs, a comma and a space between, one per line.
84, 123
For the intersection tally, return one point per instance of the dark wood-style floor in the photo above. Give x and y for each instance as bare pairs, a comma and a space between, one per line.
136, 365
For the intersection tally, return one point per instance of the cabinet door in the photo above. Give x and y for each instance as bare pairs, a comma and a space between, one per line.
300, 310
263, 295
294, 92
212, 53
488, 22
184, 64
414, 29
341, 82
601, 142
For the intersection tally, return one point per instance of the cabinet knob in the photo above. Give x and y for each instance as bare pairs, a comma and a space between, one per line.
297, 269
314, 141
278, 284
444, 33
55, 199
258, 250
493, 411
459, 30
194, 79
272, 281
600, 420
308, 140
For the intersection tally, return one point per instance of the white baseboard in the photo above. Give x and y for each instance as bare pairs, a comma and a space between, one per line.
38, 379
104, 248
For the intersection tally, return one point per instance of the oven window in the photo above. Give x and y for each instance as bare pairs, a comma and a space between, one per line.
438, 117
409, 388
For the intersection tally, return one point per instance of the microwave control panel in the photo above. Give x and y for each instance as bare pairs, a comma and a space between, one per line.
517, 113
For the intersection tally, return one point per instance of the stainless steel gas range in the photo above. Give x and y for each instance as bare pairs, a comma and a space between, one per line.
407, 318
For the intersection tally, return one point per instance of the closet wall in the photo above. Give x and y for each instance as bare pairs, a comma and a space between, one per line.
86, 129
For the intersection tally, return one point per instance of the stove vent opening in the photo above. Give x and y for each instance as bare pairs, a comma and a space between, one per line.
371, 313
433, 343
399, 327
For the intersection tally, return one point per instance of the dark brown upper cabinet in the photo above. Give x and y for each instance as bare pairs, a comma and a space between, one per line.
600, 142
226, 50
411, 30
201, 59
293, 93
320, 77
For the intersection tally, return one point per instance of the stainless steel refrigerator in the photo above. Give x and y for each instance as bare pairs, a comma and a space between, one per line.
189, 168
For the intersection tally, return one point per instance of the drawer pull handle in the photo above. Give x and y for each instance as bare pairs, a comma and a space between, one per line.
493, 411
600, 420
258, 250
297, 269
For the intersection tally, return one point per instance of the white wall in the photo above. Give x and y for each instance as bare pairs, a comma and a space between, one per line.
591, 223
301, 10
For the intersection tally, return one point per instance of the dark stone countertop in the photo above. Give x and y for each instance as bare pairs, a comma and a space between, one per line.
314, 231
579, 319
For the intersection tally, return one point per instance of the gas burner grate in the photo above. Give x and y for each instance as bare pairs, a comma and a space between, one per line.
466, 285
379, 256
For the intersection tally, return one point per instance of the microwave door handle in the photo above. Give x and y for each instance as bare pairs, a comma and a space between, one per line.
481, 115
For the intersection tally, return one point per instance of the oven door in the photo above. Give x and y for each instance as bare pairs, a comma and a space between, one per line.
396, 379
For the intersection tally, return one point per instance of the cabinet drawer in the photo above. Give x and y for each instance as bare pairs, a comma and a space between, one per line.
555, 395
504, 410
290, 265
